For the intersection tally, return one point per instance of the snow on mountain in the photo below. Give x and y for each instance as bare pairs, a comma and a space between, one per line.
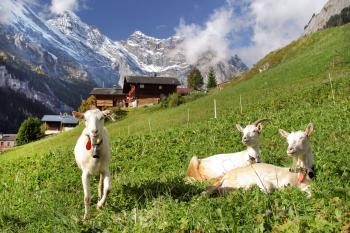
66, 49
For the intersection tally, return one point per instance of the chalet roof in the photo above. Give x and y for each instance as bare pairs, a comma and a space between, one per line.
107, 91
65, 119
7, 137
152, 80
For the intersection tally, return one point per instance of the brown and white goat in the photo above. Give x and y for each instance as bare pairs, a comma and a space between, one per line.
216, 166
92, 154
269, 177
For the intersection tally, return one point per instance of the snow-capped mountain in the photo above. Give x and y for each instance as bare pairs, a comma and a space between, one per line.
76, 56
163, 56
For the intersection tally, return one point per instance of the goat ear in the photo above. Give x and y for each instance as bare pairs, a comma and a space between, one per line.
78, 115
283, 133
259, 126
239, 127
309, 129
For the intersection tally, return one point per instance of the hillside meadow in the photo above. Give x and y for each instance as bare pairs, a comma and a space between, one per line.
40, 184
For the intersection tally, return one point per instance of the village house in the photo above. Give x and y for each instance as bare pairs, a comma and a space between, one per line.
58, 123
108, 97
7, 141
142, 91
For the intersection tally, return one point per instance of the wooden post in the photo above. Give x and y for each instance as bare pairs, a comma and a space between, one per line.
215, 108
330, 81
240, 103
149, 125
188, 115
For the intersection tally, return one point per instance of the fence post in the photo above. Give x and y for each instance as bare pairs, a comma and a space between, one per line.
188, 115
215, 108
149, 125
240, 103
330, 81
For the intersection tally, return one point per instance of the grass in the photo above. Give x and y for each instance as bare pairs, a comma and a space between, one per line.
40, 185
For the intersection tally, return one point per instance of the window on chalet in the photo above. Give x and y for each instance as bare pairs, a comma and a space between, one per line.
8, 144
142, 86
160, 87
2, 143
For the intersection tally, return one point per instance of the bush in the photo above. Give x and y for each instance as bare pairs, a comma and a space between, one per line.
86, 104
175, 99
172, 100
30, 130
118, 113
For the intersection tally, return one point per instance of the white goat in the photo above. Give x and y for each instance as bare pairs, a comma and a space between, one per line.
216, 166
93, 153
269, 177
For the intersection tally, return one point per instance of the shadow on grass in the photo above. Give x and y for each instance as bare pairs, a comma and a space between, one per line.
139, 194
13, 221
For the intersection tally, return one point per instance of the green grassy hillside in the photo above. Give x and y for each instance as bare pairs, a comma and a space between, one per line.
40, 185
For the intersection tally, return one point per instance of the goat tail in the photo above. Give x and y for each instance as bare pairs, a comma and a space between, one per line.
214, 189
193, 169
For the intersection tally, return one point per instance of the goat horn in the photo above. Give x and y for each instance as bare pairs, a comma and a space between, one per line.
260, 121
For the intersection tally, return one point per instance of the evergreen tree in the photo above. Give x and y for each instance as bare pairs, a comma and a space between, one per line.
211, 78
30, 130
195, 79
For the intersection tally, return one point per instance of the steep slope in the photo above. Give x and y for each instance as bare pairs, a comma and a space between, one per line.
319, 21
151, 149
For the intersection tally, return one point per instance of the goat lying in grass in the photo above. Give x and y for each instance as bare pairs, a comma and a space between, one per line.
216, 166
93, 153
269, 177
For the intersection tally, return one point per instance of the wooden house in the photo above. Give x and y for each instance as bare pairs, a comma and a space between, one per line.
58, 123
141, 90
108, 97
7, 141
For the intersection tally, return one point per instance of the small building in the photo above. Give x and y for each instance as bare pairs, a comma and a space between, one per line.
108, 97
144, 90
7, 141
183, 91
58, 123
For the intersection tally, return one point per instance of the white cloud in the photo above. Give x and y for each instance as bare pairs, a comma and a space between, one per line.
60, 6
211, 37
275, 23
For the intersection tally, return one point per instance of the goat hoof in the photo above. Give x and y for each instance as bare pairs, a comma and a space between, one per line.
86, 217
99, 205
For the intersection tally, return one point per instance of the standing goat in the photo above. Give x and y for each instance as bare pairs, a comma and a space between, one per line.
216, 166
93, 153
269, 177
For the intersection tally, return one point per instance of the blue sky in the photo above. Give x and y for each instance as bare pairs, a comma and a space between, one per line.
158, 18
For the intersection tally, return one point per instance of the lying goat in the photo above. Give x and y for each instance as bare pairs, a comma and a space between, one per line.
93, 153
216, 166
269, 177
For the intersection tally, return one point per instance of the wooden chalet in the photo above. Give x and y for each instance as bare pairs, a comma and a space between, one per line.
7, 141
141, 90
108, 97
57, 123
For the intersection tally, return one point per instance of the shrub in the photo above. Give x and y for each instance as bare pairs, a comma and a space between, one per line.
175, 99
86, 104
30, 130
118, 113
